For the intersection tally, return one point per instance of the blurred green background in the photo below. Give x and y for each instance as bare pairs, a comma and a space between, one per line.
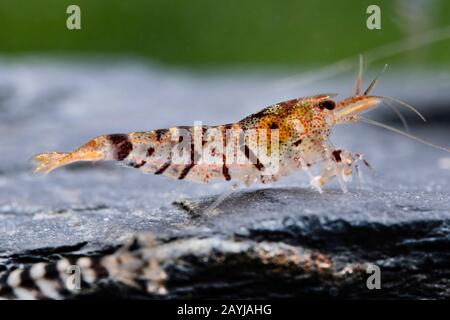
221, 32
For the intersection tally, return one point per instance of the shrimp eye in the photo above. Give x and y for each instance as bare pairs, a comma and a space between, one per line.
327, 104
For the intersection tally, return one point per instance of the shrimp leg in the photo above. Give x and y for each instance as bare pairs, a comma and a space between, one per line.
339, 164
221, 198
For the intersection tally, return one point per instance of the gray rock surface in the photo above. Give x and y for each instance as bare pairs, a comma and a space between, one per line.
399, 219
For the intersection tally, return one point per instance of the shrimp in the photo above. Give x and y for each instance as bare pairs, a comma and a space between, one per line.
263, 147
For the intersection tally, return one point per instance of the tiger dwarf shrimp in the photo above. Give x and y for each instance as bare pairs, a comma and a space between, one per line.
282, 138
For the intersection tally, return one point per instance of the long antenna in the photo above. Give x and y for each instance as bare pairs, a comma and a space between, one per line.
359, 76
399, 114
374, 81
383, 98
338, 67
385, 126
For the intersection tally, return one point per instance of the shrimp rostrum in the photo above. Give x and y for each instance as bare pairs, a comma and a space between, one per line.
263, 147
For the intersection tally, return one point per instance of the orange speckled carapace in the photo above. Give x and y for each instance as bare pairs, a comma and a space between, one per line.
287, 136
